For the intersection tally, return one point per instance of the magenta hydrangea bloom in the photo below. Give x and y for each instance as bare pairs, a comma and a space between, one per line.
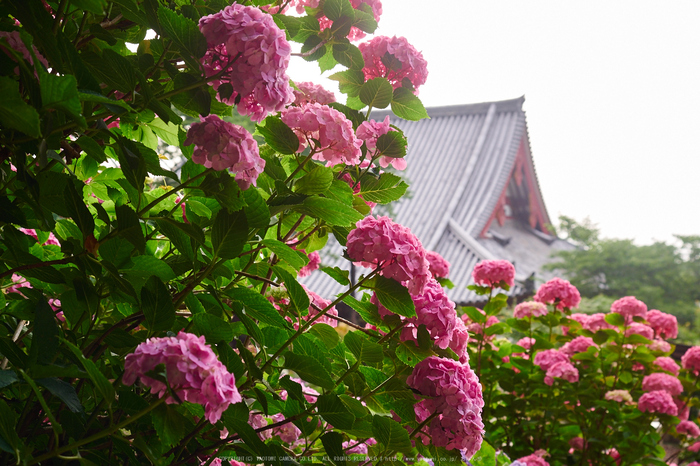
577, 443
560, 292
664, 325
312, 93
635, 328
50, 241
694, 447
314, 262
659, 345
369, 131
494, 273
667, 364
434, 310
380, 241
439, 267
459, 341
577, 345
662, 381
532, 460
547, 358
688, 428
253, 52
221, 145
321, 304
561, 370
411, 64
529, 309
628, 307
526, 342
335, 140
658, 401
192, 368
15, 41
454, 391
596, 322
691, 359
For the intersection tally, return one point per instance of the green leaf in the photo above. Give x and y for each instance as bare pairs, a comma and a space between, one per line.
336, 9
8, 428
235, 419
363, 348
61, 92
110, 104
497, 329
7, 377
392, 144
93, 6
75, 206
257, 307
169, 424
64, 391
377, 93
256, 211
157, 305
310, 370
335, 412
333, 444
348, 55
231, 359
279, 136
600, 337
104, 386
229, 234
286, 254
475, 315
185, 34
486, 456
350, 81
367, 310
129, 227
364, 20
391, 434
213, 328
297, 294
614, 318
407, 106
336, 273
194, 102
329, 210
45, 341
15, 112
316, 44
175, 232
317, 181
410, 354
327, 334
394, 296
387, 188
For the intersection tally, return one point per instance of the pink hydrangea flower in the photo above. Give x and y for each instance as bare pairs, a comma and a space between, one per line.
405, 61
662, 381
332, 133
665, 325
688, 428
561, 370
694, 463
596, 322
357, 447
577, 443
369, 132
494, 273
50, 241
321, 304
434, 310
459, 341
15, 41
529, 309
221, 145
621, 396
658, 401
659, 345
381, 242
667, 364
454, 391
355, 33
526, 342
683, 409
439, 267
312, 93
694, 447
532, 460
287, 433
560, 292
628, 307
635, 328
192, 368
547, 358
691, 359
253, 53
314, 262
476, 328
577, 345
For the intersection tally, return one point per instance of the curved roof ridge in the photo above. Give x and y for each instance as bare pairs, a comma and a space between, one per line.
510, 105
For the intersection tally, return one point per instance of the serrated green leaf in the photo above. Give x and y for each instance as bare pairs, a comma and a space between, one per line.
392, 144
407, 106
367, 310
376, 93
256, 211
391, 434
614, 318
279, 136
15, 112
348, 55
350, 82
317, 181
169, 424
7, 377
285, 253
297, 294
61, 92
363, 348
229, 234
185, 34
104, 387
335, 412
394, 296
333, 444
45, 341
327, 334
387, 188
129, 227
213, 328
64, 391
339, 275
336, 9
257, 307
410, 354
157, 305
310, 370
329, 210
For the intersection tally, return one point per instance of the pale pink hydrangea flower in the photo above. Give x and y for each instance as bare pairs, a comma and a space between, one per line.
560, 292
369, 132
221, 145
312, 93
454, 391
459, 341
526, 342
694, 448
637, 367
314, 262
635, 328
659, 345
434, 310
662, 381
355, 33
561, 370
335, 140
15, 42
18, 282
533, 460
667, 364
596, 322
547, 358
529, 309
691, 359
287, 433
688, 428
665, 325
621, 396
254, 52
658, 401
381, 242
410, 62
439, 267
628, 307
192, 368
577, 345
258, 421
494, 273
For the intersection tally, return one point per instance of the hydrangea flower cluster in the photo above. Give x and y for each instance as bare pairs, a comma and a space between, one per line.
336, 141
557, 365
15, 42
221, 145
621, 396
320, 303
50, 241
664, 325
691, 359
248, 51
594, 322
381, 242
578, 345
459, 341
193, 371
688, 428
434, 310
395, 59
560, 292
635, 328
529, 309
475, 327
658, 401
312, 93
369, 132
532, 460
628, 307
662, 381
454, 391
667, 364
494, 273
314, 262
439, 267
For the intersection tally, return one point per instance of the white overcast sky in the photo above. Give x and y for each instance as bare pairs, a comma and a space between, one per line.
612, 97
